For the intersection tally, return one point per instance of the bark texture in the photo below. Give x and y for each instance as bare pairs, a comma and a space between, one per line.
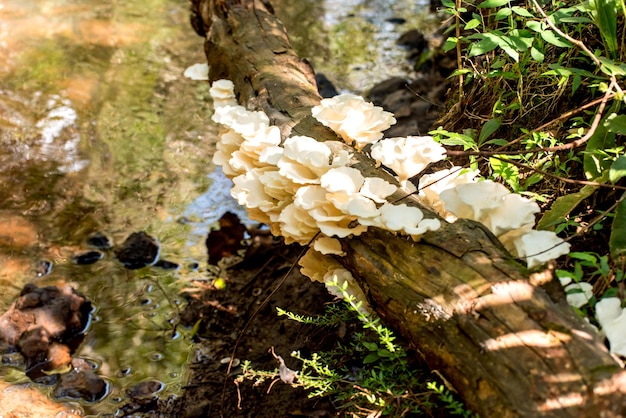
508, 346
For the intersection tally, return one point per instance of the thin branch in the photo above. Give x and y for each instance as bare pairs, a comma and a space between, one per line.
459, 62
571, 145
576, 42
563, 179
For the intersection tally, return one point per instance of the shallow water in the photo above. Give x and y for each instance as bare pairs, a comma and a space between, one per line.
100, 132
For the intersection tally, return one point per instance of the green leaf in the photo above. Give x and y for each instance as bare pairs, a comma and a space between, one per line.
594, 162
370, 346
520, 11
490, 4
536, 26
370, 358
617, 241
611, 67
497, 141
618, 169
616, 123
488, 129
474, 23
507, 171
503, 13
450, 44
563, 206
554, 39
522, 39
486, 44
536, 54
578, 255
532, 179
604, 13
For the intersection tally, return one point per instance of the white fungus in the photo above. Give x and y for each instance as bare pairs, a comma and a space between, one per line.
358, 122
197, 72
612, 318
326, 245
432, 185
539, 247
302, 188
409, 156
473, 200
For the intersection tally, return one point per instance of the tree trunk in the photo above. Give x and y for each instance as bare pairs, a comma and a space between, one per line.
473, 312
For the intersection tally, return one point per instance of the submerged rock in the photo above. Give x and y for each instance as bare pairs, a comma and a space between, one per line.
89, 257
81, 383
99, 241
226, 241
139, 250
166, 265
45, 325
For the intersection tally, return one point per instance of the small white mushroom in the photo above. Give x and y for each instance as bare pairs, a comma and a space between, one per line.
409, 156
327, 245
305, 160
358, 122
612, 318
377, 189
315, 265
397, 217
472, 200
539, 247
432, 185
513, 212
342, 179
197, 72
578, 294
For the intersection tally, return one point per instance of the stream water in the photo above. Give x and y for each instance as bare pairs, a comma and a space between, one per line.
100, 132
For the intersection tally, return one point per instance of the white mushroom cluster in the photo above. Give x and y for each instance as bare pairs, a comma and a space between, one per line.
307, 192
300, 187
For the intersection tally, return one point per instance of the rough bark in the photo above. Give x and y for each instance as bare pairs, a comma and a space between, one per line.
473, 312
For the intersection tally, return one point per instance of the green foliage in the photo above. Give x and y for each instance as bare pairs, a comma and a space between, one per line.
371, 375
541, 90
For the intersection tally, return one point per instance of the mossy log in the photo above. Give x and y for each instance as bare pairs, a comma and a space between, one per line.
476, 315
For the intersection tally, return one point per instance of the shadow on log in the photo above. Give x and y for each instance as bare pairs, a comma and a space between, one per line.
473, 312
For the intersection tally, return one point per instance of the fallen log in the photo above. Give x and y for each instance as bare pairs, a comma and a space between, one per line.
474, 313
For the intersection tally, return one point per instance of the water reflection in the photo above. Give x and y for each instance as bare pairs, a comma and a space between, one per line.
353, 41
100, 132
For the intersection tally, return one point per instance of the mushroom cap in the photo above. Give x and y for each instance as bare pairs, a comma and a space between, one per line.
472, 200
578, 294
199, 72
358, 122
539, 247
377, 189
409, 156
327, 245
513, 212
612, 318
342, 179
397, 217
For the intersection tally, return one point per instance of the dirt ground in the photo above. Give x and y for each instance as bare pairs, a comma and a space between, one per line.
220, 316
